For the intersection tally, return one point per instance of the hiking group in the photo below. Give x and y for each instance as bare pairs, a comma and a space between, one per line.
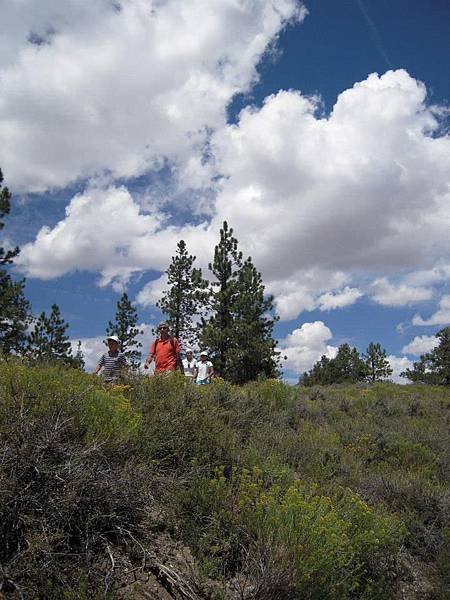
165, 352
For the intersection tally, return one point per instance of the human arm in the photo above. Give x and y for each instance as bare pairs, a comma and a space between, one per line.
100, 365
151, 356
210, 372
149, 360
178, 361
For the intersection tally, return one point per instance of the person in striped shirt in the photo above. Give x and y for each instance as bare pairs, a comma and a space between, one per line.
112, 362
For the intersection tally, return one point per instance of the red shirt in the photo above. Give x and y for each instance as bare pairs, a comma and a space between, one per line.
166, 354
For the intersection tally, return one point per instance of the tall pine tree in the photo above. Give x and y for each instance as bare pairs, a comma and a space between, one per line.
125, 327
216, 331
378, 366
14, 308
254, 349
185, 297
238, 332
48, 340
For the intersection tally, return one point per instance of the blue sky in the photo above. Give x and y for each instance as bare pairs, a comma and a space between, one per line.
317, 129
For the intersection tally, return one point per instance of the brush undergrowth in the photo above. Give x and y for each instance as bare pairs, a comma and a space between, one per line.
338, 492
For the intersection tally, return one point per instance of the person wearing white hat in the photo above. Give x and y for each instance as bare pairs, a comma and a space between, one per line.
203, 371
189, 364
112, 362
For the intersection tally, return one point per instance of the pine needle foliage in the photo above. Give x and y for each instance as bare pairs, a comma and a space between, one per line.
48, 341
186, 296
125, 327
14, 308
346, 367
377, 364
238, 332
433, 367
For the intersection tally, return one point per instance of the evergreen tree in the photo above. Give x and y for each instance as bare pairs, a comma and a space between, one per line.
48, 340
320, 374
6, 256
216, 331
14, 308
238, 332
377, 365
433, 367
346, 367
253, 351
126, 330
78, 359
186, 296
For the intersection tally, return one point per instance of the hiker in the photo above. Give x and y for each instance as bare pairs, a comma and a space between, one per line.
165, 351
112, 362
203, 370
189, 364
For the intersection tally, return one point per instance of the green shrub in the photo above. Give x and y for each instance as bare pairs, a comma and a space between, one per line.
181, 424
324, 547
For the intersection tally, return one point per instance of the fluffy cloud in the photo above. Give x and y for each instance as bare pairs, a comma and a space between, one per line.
331, 192
440, 317
388, 294
152, 291
305, 346
339, 299
105, 231
438, 274
399, 364
122, 87
421, 344
315, 200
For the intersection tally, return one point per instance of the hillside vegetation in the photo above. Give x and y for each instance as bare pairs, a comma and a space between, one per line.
158, 489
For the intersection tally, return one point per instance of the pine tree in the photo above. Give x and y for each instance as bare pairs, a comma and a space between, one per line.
126, 330
254, 350
238, 332
346, 367
14, 308
48, 340
433, 367
186, 296
78, 359
6, 256
378, 367
216, 331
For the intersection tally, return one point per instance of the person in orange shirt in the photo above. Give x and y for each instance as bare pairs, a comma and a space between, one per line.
165, 351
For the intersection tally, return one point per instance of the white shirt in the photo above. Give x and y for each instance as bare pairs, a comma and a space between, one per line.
189, 367
202, 369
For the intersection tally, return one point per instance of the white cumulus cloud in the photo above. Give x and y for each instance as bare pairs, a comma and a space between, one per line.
339, 299
386, 293
398, 365
305, 346
421, 344
122, 87
316, 200
440, 317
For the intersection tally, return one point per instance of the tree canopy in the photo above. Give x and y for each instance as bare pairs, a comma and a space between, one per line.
125, 327
433, 367
238, 329
48, 340
186, 296
14, 307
